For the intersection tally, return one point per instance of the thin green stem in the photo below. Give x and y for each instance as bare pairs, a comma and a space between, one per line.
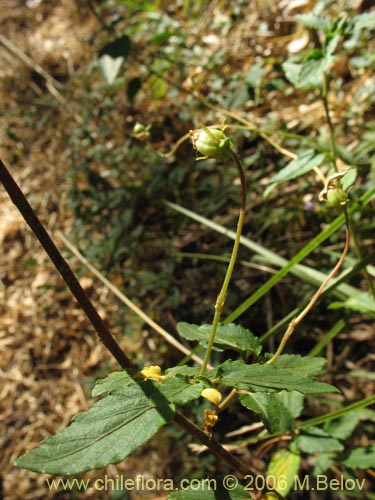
297, 320
223, 292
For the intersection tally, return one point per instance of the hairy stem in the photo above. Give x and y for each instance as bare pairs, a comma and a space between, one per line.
220, 301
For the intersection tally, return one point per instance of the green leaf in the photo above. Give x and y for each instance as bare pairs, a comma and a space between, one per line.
301, 366
272, 412
361, 458
189, 371
308, 74
292, 400
211, 489
105, 434
361, 302
282, 471
175, 388
305, 162
343, 427
324, 460
315, 440
180, 391
230, 336
267, 378
314, 21
363, 21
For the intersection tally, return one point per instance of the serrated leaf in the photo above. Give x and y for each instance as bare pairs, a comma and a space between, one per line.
292, 400
189, 371
229, 336
210, 489
324, 460
292, 70
282, 471
311, 74
301, 366
361, 458
180, 391
105, 434
361, 302
315, 440
343, 427
272, 412
308, 74
267, 378
176, 389
305, 162
314, 21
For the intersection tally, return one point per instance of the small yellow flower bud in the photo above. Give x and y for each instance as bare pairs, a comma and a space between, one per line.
141, 132
152, 372
210, 418
212, 143
213, 395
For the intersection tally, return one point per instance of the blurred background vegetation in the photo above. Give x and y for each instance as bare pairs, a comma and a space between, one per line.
77, 81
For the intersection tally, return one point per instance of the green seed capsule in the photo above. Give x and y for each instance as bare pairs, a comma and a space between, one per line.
336, 197
212, 143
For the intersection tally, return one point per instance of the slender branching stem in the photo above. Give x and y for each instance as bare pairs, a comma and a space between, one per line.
62, 267
297, 320
225, 403
223, 292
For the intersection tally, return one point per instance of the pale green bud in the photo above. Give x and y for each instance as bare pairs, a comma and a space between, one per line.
212, 143
336, 197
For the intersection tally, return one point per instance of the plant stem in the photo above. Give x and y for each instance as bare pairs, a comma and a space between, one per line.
186, 424
295, 321
329, 121
19, 199
223, 292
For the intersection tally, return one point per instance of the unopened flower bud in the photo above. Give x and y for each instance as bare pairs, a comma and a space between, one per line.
336, 197
153, 372
213, 395
141, 132
212, 143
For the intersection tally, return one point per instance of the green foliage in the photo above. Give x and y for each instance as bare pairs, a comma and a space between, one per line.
282, 471
268, 378
275, 416
230, 336
109, 431
121, 191
306, 161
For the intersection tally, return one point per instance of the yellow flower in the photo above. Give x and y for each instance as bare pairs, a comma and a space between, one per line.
210, 418
152, 372
213, 395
